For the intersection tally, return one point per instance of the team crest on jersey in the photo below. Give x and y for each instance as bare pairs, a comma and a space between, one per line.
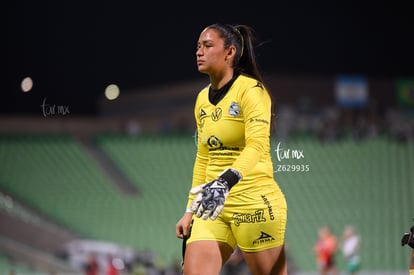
234, 109
216, 115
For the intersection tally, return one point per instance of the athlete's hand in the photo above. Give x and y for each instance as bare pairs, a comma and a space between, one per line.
209, 200
182, 228
210, 197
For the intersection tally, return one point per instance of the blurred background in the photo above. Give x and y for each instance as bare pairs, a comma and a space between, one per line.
97, 130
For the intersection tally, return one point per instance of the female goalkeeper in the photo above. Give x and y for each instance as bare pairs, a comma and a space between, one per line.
234, 199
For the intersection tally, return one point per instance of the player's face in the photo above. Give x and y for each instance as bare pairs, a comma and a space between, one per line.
211, 54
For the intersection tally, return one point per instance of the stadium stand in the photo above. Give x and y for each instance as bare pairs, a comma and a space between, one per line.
76, 185
365, 183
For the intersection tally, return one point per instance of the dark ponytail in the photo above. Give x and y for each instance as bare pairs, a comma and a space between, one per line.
244, 39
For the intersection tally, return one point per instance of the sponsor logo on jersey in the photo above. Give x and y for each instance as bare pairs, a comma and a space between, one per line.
259, 120
214, 142
259, 84
257, 216
264, 238
269, 207
234, 109
216, 115
202, 113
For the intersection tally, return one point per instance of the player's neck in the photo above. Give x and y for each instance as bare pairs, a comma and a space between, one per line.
218, 81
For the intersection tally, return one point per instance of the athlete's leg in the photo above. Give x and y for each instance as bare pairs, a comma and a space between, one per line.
205, 257
271, 261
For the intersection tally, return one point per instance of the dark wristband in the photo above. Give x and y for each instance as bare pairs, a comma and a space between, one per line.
231, 176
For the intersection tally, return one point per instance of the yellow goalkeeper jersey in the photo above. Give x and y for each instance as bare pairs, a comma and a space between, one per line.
234, 133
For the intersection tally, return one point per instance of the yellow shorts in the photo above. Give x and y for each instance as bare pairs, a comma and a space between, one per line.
254, 220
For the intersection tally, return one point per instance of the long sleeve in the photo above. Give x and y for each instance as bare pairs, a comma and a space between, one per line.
256, 106
201, 160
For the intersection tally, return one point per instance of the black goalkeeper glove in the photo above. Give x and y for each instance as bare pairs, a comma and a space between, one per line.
210, 197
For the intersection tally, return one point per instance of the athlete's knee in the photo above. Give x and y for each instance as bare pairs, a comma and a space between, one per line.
267, 262
205, 257
280, 268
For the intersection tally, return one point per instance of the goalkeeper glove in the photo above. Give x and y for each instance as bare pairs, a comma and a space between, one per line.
210, 197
